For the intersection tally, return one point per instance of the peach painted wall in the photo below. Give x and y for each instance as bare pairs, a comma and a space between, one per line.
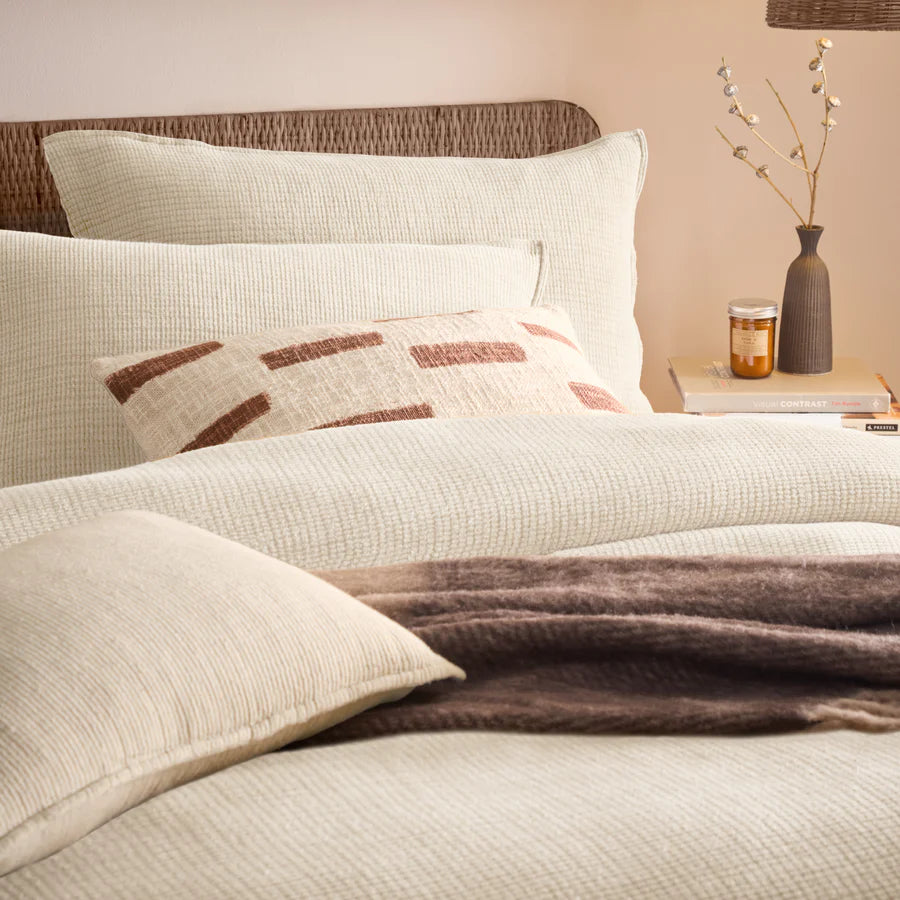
118, 57
707, 229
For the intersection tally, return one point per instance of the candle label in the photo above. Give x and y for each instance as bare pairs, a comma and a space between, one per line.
749, 343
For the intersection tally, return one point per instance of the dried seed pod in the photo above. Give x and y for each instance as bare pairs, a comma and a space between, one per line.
752, 120
797, 152
724, 72
833, 102
816, 65
819, 87
730, 89
824, 44
741, 152
828, 123
762, 171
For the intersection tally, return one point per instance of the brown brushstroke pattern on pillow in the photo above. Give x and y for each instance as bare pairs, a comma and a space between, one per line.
227, 426
594, 397
125, 382
399, 413
298, 353
542, 331
433, 356
414, 367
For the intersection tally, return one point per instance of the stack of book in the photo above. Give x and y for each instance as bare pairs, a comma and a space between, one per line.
850, 396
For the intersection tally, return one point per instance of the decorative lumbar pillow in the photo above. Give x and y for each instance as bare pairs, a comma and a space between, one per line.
580, 203
138, 653
477, 363
65, 302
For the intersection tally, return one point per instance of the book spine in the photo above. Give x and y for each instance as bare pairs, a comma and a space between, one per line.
674, 378
879, 423
725, 403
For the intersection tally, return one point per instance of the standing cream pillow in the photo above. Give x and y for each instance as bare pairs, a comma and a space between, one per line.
65, 302
580, 203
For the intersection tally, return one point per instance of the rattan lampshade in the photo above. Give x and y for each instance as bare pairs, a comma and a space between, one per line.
848, 15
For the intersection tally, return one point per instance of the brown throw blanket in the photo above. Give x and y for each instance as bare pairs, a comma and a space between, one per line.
654, 645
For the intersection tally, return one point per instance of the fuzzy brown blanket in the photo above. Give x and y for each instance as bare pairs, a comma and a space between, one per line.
653, 645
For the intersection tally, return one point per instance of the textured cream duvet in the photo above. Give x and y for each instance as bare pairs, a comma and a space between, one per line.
496, 815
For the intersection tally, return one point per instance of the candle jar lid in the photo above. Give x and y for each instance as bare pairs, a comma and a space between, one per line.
753, 309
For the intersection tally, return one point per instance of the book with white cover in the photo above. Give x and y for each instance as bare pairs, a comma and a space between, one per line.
707, 385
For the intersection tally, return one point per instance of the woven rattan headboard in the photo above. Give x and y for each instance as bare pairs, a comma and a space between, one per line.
29, 202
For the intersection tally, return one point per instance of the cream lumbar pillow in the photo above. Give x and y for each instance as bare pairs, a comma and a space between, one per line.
65, 302
138, 653
580, 203
479, 363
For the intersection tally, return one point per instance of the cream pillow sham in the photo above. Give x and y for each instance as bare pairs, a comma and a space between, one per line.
138, 653
580, 203
489, 362
66, 301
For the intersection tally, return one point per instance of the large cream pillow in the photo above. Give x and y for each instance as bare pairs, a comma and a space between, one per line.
138, 653
65, 302
580, 203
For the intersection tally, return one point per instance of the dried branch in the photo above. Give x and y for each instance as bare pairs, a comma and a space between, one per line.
766, 178
827, 130
827, 116
744, 118
800, 143
752, 122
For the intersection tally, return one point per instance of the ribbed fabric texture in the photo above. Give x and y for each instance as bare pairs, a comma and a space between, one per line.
497, 816
404, 491
66, 302
580, 203
29, 202
477, 363
813, 539
137, 653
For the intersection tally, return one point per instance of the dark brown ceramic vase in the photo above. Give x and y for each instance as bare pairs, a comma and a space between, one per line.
804, 343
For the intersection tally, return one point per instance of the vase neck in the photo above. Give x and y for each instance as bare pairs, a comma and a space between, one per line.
809, 240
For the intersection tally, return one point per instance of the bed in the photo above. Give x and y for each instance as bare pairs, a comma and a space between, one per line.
474, 806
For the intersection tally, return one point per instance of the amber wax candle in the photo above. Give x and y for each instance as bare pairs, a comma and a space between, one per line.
752, 337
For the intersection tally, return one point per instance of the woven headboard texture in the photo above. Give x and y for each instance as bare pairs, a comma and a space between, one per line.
29, 202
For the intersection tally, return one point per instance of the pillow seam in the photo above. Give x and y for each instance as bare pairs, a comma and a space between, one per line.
115, 779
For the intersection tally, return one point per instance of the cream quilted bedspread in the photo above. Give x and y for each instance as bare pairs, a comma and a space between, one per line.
433, 489
488, 815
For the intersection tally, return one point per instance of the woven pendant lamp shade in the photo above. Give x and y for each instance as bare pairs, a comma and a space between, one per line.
837, 15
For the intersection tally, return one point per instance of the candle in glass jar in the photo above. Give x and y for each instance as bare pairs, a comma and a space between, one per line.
752, 336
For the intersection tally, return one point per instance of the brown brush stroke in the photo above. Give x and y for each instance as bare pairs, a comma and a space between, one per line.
400, 413
227, 426
542, 331
298, 353
433, 356
594, 397
125, 382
